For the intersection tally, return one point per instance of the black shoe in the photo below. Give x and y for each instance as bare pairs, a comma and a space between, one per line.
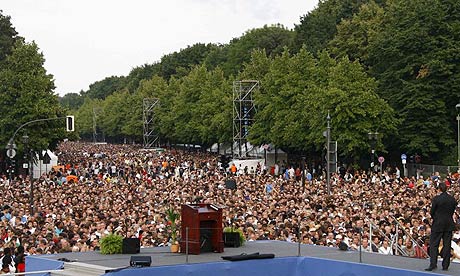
445, 268
431, 268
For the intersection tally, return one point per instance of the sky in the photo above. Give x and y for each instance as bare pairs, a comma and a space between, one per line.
86, 41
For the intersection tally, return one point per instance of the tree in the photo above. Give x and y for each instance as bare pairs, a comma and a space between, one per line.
158, 88
27, 94
319, 26
214, 109
415, 58
104, 88
184, 112
140, 73
181, 62
355, 34
299, 90
85, 115
355, 107
231, 57
8, 36
71, 101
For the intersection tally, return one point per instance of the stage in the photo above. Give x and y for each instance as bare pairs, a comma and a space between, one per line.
161, 256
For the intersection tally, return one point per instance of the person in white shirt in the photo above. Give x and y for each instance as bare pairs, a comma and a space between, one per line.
365, 247
385, 248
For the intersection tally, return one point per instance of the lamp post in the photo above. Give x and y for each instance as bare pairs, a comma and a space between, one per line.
328, 147
373, 139
25, 140
27, 165
458, 136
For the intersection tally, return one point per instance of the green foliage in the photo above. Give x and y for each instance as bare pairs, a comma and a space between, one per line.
27, 94
319, 26
138, 74
7, 36
183, 61
354, 35
297, 93
112, 244
238, 230
104, 88
415, 60
85, 115
272, 39
172, 216
71, 101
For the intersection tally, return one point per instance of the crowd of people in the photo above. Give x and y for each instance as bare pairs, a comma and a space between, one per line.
99, 189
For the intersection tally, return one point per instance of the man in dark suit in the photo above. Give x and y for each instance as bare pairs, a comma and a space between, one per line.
442, 210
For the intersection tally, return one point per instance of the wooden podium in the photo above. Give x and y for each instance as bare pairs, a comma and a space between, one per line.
204, 222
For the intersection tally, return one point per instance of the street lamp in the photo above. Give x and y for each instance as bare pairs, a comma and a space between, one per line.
373, 136
328, 148
25, 140
458, 136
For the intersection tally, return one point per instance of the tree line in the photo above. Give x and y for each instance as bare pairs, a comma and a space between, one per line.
388, 66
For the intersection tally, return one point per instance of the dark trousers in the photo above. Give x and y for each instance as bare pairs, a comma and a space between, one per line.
435, 239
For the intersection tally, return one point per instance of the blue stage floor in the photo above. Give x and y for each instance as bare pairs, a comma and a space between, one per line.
161, 256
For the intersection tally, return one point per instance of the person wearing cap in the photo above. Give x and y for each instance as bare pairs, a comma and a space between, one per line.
442, 210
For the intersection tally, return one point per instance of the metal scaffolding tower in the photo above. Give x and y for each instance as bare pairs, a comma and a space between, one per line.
243, 113
96, 112
150, 135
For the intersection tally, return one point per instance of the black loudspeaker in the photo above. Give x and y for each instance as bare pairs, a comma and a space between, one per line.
230, 184
231, 239
140, 261
131, 246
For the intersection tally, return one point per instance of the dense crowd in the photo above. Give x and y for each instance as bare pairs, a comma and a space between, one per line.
102, 189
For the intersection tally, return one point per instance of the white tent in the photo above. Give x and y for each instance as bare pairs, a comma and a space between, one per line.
265, 152
39, 168
268, 153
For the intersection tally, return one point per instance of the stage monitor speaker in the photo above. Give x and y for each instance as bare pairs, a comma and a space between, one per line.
231, 239
230, 184
131, 246
140, 261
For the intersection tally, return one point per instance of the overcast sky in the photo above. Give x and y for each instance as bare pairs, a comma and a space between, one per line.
87, 40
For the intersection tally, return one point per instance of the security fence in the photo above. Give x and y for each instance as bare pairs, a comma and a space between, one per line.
425, 170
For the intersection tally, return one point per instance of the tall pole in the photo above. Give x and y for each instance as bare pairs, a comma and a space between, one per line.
29, 171
302, 167
31, 179
458, 142
458, 137
328, 146
373, 136
94, 126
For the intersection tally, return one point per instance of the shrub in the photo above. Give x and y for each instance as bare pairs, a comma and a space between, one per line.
111, 244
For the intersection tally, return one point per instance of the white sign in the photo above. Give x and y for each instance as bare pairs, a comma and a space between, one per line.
381, 159
11, 153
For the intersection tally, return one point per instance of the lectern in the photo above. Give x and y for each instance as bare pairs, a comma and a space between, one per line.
204, 222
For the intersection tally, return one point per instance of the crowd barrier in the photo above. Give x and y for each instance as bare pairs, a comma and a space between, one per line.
289, 266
